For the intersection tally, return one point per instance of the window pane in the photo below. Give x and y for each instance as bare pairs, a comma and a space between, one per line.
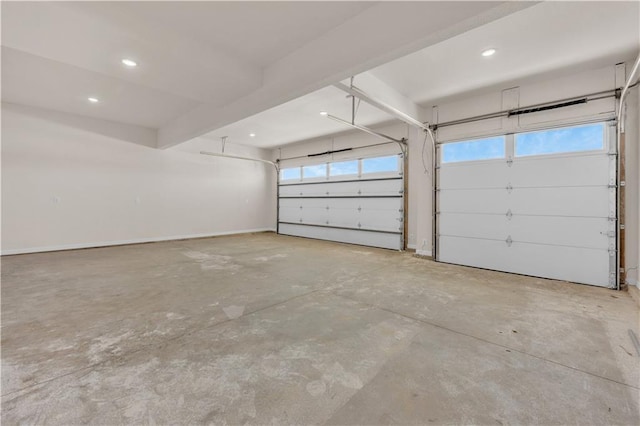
570, 139
380, 164
343, 168
292, 173
319, 170
480, 149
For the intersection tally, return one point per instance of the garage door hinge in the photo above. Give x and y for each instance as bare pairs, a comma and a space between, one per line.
509, 214
509, 188
509, 241
509, 161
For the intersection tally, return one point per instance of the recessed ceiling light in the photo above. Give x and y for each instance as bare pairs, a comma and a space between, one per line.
130, 62
252, 135
488, 52
324, 113
93, 100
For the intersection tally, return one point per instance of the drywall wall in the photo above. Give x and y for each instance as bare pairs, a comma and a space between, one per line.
71, 182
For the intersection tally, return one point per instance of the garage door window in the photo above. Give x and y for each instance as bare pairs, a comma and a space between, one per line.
314, 172
290, 174
343, 168
568, 139
479, 149
380, 164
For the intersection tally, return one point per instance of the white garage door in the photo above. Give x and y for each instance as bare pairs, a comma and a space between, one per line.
539, 203
358, 201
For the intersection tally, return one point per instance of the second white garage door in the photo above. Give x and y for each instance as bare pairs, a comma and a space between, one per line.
539, 203
359, 201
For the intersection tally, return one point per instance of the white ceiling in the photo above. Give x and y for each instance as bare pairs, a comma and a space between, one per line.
204, 65
299, 119
548, 38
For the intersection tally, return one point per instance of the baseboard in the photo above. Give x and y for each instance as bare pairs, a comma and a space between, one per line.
425, 253
10, 252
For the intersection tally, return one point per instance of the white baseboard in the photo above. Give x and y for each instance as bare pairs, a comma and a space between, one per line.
426, 253
9, 252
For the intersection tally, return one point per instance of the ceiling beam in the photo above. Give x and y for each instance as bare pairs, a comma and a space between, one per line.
349, 49
375, 92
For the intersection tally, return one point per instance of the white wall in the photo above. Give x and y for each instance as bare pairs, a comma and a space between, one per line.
70, 182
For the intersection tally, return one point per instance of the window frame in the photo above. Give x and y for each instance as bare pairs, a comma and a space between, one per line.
504, 157
315, 178
376, 175
347, 176
292, 180
605, 142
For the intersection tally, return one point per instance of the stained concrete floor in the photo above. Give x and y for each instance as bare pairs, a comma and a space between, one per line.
267, 329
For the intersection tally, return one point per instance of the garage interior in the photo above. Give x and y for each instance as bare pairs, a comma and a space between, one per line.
320, 213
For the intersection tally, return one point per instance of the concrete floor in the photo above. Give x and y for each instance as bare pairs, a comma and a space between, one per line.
270, 329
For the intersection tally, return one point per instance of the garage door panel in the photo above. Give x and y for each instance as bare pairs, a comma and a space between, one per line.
348, 188
581, 170
489, 226
492, 174
529, 259
316, 215
474, 201
382, 220
372, 239
561, 201
562, 231
290, 214
382, 187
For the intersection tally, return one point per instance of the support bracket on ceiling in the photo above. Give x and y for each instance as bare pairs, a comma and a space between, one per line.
360, 94
367, 130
